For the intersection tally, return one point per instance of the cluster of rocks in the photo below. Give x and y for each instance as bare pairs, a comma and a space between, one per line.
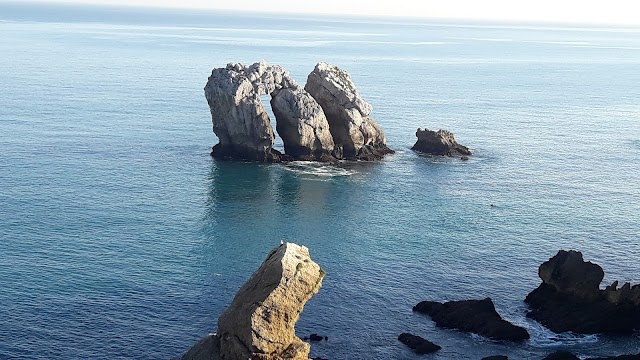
569, 299
259, 323
473, 316
324, 121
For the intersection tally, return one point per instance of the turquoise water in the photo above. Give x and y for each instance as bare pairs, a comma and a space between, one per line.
121, 238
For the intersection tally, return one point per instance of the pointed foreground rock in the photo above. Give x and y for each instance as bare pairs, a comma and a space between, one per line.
570, 299
475, 316
259, 323
354, 133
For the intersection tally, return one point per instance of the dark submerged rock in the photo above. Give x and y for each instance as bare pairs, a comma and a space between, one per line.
441, 142
495, 357
418, 344
476, 316
569, 298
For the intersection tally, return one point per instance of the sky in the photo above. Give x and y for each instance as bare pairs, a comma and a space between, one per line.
619, 12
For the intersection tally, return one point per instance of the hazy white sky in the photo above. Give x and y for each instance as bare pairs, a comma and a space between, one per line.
566, 11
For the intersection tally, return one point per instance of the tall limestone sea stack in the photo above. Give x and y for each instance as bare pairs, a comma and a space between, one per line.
356, 135
259, 323
325, 121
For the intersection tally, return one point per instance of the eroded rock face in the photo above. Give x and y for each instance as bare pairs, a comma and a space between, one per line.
325, 121
355, 134
242, 124
569, 298
302, 125
569, 274
259, 323
441, 142
476, 316
239, 119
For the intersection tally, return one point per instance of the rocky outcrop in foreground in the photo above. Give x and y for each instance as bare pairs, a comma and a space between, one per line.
570, 299
476, 316
441, 142
324, 121
259, 323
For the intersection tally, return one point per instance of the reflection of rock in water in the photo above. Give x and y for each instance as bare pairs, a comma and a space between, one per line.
238, 182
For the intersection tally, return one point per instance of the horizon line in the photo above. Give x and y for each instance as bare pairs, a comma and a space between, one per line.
307, 14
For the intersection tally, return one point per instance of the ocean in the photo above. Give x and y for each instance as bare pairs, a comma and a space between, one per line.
121, 238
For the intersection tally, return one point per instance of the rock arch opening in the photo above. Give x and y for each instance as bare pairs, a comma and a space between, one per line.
278, 144
242, 118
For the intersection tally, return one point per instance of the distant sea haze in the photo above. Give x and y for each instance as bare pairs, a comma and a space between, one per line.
120, 237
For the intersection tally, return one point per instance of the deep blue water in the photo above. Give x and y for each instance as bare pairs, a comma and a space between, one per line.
121, 238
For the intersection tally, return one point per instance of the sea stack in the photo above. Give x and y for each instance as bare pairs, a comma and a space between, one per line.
327, 120
355, 134
259, 323
242, 124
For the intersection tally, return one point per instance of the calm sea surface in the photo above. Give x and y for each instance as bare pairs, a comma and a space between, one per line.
121, 238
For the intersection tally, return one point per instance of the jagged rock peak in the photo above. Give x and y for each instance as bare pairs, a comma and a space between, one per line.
356, 136
265, 77
259, 323
568, 273
338, 82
